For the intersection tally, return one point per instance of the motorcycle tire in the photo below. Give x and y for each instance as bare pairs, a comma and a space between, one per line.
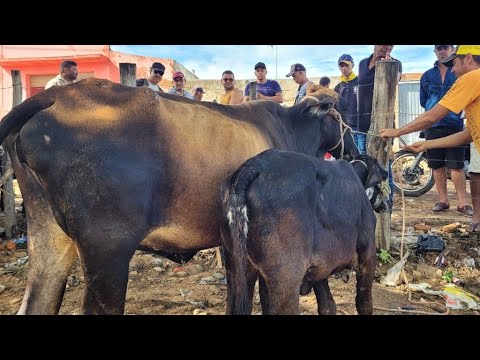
417, 183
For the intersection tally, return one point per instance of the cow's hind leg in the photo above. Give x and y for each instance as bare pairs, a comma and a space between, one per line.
326, 304
282, 286
365, 276
105, 264
51, 252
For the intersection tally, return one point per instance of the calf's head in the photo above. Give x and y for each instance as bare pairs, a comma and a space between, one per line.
375, 180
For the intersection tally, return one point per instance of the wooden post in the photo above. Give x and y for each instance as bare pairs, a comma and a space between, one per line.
8, 194
128, 74
218, 256
383, 112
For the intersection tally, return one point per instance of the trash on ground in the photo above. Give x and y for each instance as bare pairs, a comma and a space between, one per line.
455, 297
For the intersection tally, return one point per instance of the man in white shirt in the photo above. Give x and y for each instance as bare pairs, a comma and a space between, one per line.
68, 74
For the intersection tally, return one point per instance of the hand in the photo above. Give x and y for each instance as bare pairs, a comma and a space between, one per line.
388, 133
418, 146
260, 96
387, 56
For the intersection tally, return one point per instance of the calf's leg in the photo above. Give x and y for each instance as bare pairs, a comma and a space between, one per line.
326, 304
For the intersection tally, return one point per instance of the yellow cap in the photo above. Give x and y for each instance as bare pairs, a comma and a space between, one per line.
461, 50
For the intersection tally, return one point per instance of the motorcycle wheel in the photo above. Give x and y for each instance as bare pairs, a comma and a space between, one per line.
416, 182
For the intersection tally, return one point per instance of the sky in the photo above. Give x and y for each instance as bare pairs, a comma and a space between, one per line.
209, 61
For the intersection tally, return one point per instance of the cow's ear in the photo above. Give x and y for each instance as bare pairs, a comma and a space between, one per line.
374, 177
319, 109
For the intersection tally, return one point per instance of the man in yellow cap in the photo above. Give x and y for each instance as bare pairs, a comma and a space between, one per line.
463, 95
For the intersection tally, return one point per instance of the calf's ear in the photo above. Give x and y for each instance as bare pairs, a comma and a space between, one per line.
374, 177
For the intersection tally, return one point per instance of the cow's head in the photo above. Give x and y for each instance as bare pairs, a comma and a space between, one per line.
321, 104
375, 180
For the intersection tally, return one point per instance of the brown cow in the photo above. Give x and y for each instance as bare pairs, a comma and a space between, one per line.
104, 168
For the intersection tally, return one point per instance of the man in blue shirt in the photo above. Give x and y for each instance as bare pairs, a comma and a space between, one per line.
263, 89
434, 84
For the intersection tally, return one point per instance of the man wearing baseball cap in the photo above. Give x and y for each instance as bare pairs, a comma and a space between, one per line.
263, 89
434, 84
463, 95
198, 92
299, 75
179, 84
156, 74
347, 88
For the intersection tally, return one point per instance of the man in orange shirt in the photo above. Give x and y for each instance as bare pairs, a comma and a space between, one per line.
464, 94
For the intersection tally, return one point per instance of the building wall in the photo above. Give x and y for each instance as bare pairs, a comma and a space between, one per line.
95, 60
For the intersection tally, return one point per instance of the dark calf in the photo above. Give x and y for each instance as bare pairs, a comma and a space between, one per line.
290, 218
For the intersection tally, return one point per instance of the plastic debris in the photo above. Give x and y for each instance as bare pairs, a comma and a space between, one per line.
21, 242
393, 275
429, 243
455, 297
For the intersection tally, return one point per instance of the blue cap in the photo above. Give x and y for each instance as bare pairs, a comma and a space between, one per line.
345, 58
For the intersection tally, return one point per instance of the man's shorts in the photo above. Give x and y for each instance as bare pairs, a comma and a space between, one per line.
452, 158
474, 166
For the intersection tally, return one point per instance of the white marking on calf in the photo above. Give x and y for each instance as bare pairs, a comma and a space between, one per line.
47, 139
230, 217
369, 192
245, 224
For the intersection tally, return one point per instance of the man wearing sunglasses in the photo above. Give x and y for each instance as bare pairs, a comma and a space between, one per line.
232, 94
434, 84
156, 74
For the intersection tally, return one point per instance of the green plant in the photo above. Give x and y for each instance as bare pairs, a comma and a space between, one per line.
448, 276
385, 256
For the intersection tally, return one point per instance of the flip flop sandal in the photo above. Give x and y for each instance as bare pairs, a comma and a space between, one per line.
473, 226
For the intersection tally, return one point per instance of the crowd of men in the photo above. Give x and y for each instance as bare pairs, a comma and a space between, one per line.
449, 87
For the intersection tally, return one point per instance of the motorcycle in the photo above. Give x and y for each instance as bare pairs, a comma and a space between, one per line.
411, 173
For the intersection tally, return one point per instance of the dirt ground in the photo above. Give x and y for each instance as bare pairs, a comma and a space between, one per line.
158, 286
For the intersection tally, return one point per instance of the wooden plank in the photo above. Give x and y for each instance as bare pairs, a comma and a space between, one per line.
7, 193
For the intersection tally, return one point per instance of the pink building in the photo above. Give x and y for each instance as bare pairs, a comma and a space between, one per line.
40, 63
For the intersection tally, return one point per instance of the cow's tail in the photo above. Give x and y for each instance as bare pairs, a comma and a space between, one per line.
20, 114
235, 208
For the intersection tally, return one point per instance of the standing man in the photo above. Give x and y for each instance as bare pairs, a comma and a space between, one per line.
434, 84
198, 92
232, 94
179, 84
366, 78
324, 82
68, 74
347, 88
263, 89
463, 95
299, 75
156, 74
